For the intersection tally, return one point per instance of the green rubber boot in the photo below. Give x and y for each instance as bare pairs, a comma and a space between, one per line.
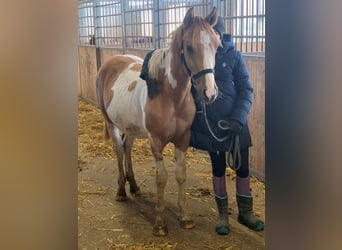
222, 222
246, 216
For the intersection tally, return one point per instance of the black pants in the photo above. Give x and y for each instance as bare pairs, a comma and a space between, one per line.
218, 163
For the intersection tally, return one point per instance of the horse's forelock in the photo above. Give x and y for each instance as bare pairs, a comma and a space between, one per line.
202, 24
177, 35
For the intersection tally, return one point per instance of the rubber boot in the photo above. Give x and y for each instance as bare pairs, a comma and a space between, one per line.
246, 216
222, 222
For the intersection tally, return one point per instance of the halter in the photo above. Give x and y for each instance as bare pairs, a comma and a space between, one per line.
198, 74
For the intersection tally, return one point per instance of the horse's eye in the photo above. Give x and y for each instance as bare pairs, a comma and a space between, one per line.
189, 49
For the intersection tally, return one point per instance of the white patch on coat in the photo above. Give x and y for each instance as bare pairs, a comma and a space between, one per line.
126, 109
168, 72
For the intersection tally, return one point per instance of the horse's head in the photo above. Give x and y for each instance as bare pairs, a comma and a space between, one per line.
198, 49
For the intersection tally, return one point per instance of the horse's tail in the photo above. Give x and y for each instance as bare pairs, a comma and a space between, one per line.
101, 104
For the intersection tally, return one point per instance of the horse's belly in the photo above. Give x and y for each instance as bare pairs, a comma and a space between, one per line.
126, 109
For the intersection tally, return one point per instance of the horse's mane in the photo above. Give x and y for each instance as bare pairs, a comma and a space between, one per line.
155, 62
159, 54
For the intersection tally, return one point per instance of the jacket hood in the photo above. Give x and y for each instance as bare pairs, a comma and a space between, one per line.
227, 43
219, 26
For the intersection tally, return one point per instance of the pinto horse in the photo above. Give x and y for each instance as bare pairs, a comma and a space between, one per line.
163, 113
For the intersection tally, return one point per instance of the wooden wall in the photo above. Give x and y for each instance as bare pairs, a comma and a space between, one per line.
87, 73
256, 66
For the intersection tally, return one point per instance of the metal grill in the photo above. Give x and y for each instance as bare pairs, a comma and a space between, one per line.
139, 24
146, 24
86, 31
108, 23
245, 20
171, 14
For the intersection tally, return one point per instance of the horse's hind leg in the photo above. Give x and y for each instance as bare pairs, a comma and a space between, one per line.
119, 150
128, 143
185, 219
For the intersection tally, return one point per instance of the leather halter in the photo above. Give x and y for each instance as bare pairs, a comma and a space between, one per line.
198, 74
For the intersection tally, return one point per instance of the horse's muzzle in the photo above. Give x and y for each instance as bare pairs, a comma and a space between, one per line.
210, 95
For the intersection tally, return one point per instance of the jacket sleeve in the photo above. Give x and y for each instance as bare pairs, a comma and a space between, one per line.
244, 88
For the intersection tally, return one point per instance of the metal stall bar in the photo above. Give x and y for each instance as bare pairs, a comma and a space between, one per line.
109, 26
139, 24
146, 24
245, 21
172, 13
85, 22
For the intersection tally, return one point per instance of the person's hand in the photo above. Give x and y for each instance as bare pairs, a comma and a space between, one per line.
235, 127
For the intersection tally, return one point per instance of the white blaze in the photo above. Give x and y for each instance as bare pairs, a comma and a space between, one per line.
208, 58
208, 61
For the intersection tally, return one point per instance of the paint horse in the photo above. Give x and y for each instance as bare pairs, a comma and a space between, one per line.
161, 108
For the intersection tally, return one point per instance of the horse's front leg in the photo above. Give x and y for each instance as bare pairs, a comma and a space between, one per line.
160, 227
185, 219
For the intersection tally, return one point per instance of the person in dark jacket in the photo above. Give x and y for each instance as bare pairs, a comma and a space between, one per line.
216, 125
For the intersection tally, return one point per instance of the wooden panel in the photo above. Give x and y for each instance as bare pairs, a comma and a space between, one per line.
79, 92
87, 72
108, 52
256, 67
141, 53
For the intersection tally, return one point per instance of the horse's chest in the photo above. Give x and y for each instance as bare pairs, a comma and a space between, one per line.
180, 120
168, 119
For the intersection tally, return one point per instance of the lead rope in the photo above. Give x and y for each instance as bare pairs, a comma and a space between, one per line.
233, 155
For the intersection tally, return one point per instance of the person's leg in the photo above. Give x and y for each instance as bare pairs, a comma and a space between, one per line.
244, 197
218, 163
242, 174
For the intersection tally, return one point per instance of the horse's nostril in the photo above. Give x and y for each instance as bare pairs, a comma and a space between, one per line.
205, 95
211, 98
208, 95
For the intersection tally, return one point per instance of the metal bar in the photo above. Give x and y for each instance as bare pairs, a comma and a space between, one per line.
257, 27
124, 34
141, 19
262, 25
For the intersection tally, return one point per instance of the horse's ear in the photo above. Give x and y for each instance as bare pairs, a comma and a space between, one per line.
212, 17
188, 18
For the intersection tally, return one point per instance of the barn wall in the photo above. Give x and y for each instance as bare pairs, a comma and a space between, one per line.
107, 52
256, 66
87, 73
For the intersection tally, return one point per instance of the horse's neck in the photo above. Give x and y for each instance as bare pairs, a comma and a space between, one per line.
178, 70
182, 89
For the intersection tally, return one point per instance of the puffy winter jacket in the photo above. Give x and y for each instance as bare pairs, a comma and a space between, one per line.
233, 102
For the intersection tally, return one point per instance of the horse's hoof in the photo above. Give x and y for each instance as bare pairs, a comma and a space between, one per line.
187, 224
121, 198
160, 230
136, 192
121, 194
